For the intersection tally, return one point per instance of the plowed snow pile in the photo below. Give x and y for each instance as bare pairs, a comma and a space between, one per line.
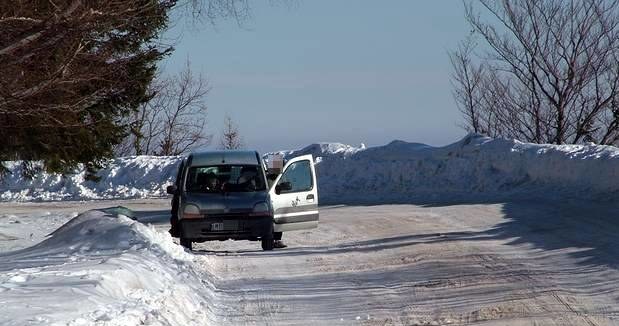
473, 167
126, 177
102, 268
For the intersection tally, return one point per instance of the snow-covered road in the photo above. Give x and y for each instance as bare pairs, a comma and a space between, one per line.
516, 263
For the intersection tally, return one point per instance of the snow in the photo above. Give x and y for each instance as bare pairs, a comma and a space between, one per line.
509, 261
324, 149
126, 177
102, 268
475, 167
21, 231
400, 171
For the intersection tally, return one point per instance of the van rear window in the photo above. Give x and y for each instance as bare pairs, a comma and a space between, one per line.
225, 178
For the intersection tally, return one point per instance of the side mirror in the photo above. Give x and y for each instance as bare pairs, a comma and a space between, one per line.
172, 190
283, 186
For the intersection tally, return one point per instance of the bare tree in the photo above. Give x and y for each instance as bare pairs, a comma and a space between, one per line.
209, 11
148, 124
548, 72
230, 137
173, 121
145, 125
466, 80
184, 116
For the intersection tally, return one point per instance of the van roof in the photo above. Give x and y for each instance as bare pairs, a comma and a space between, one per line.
224, 157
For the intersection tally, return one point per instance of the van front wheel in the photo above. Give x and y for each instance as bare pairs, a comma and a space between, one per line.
267, 244
186, 243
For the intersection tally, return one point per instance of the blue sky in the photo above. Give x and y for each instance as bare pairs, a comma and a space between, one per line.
347, 71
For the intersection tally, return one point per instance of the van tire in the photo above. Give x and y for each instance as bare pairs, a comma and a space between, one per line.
186, 243
267, 244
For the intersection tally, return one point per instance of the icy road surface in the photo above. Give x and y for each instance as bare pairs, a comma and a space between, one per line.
527, 263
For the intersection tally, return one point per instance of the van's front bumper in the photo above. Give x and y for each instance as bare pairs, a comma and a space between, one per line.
234, 227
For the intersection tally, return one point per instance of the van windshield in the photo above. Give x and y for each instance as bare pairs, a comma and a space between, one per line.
225, 178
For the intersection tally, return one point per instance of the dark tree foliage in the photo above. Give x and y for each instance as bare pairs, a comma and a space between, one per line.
69, 71
72, 71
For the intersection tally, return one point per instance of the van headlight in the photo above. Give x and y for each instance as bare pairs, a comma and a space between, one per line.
191, 211
261, 209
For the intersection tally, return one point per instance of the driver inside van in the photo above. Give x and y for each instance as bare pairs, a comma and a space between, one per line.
212, 183
247, 179
207, 181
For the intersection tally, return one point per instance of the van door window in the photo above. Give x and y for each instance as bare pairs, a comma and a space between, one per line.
297, 178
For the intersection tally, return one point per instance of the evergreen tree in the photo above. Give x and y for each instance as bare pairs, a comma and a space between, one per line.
70, 71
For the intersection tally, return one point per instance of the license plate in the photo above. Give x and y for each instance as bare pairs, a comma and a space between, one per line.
217, 226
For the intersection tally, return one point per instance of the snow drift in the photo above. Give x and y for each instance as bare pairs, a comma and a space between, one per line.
474, 167
126, 177
102, 268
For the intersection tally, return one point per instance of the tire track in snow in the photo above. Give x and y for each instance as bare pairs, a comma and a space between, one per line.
411, 265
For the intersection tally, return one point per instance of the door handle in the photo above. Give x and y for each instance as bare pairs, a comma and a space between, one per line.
310, 197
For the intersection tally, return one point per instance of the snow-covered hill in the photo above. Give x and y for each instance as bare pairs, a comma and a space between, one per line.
474, 167
102, 268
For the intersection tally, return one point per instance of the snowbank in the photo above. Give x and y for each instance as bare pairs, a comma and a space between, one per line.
323, 149
475, 167
102, 268
127, 177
